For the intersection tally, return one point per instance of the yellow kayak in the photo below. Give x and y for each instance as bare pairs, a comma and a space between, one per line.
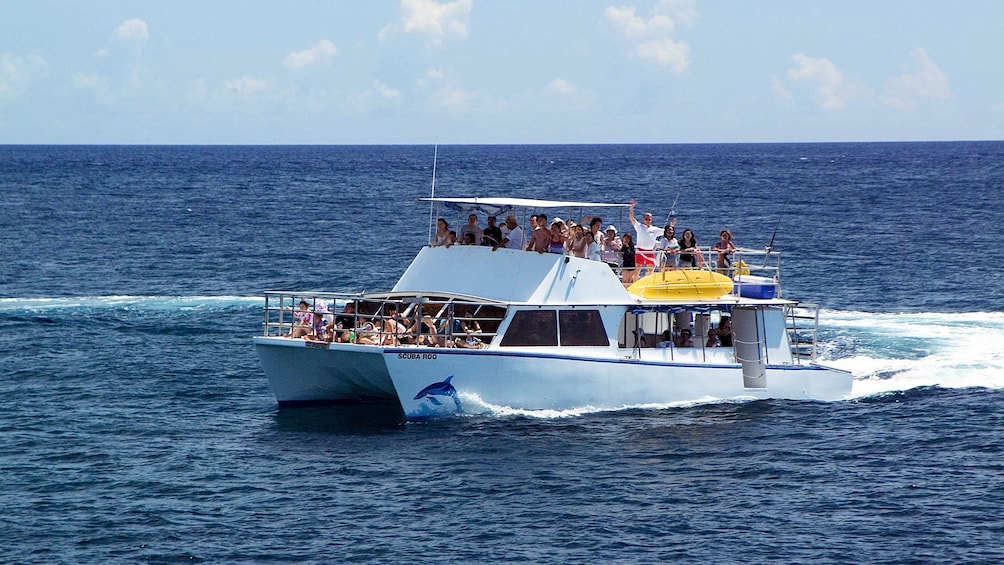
683, 284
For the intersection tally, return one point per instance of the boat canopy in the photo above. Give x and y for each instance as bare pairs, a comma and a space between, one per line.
499, 206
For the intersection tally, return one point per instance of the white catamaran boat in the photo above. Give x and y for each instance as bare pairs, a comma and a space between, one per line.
471, 329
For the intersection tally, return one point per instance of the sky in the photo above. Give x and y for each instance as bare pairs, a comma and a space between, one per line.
499, 71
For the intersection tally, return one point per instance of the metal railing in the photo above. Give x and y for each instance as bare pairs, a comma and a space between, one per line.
803, 329
366, 320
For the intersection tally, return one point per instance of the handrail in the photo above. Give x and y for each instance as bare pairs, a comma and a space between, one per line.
808, 315
281, 319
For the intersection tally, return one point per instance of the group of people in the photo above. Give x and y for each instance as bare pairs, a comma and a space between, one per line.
717, 337
658, 249
388, 328
652, 249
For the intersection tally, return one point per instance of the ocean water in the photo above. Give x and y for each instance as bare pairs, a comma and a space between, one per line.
137, 426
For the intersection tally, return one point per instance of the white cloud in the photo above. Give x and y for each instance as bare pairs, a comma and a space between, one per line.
561, 87
378, 94
455, 98
923, 80
830, 89
632, 26
431, 77
779, 89
431, 19
245, 85
380, 91
134, 29
17, 73
651, 36
567, 95
320, 52
666, 53
385, 92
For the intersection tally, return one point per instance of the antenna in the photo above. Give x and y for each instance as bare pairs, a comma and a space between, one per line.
432, 215
770, 244
672, 209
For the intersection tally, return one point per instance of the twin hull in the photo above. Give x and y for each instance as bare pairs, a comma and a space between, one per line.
432, 382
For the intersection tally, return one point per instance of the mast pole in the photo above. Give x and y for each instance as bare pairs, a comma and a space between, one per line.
432, 215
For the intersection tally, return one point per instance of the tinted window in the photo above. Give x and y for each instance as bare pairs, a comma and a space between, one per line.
582, 327
532, 328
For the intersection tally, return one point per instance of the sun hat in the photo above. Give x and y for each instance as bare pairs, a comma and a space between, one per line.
611, 228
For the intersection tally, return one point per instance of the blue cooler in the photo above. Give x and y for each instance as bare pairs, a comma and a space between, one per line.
749, 286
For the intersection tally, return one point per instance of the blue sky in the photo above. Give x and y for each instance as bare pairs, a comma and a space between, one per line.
499, 71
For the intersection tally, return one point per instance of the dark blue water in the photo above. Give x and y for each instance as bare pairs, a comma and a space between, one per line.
136, 425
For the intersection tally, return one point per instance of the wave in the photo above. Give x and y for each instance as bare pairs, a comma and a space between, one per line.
478, 407
899, 351
126, 302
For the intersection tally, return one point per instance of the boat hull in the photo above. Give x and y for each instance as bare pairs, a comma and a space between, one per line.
301, 371
449, 382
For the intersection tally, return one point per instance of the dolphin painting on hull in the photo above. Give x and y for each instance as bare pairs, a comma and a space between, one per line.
443, 388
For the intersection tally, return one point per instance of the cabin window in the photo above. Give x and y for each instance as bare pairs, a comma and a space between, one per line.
532, 328
582, 328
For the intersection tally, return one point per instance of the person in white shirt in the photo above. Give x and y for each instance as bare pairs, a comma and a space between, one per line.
668, 248
645, 239
592, 248
512, 234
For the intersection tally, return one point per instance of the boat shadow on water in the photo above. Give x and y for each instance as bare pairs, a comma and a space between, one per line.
340, 417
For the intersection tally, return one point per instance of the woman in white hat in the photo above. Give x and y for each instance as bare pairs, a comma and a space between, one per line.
611, 252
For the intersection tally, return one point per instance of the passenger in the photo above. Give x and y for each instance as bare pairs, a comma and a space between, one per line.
470, 233
367, 334
724, 248
628, 255
451, 239
667, 340
595, 223
512, 234
725, 331
427, 332
611, 252
317, 324
540, 239
442, 233
557, 240
391, 327
322, 322
646, 238
406, 330
471, 329
592, 248
577, 242
689, 251
469, 325
684, 339
304, 320
712, 338
492, 235
345, 324
668, 248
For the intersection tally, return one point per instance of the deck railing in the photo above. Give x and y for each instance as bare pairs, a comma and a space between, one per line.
803, 329
368, 320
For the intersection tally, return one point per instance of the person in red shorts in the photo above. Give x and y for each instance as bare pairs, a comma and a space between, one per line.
645, 240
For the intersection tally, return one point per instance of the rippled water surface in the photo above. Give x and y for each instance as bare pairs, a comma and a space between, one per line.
136, 424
